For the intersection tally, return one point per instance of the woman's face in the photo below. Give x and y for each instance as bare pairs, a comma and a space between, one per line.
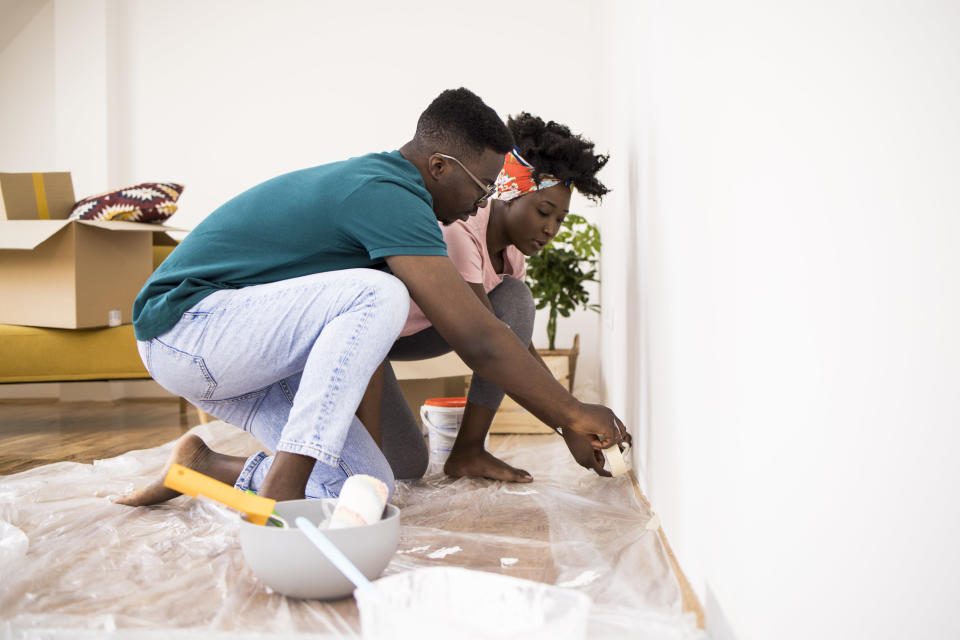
532, 220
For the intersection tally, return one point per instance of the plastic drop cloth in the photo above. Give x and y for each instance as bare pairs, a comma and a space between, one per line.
73, 564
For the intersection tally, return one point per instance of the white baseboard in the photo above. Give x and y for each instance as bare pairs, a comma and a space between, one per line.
98, 391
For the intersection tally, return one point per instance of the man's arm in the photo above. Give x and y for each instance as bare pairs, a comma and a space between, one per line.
491, 349
481, 294
577, 443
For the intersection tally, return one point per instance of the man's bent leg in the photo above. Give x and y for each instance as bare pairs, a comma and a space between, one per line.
360, 455
228, 351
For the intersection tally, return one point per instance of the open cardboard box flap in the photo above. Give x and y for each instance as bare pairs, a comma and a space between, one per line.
29, 234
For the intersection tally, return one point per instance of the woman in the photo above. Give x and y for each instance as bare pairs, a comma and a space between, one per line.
489, 250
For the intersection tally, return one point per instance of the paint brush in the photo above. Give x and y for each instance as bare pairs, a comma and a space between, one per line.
258, 510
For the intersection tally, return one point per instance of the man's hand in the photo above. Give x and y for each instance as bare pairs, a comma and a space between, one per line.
582, 451
599, 425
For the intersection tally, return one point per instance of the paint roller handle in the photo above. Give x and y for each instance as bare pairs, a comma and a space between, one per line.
334, 555
193, 483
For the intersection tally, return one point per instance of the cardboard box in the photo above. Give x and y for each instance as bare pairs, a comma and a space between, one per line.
73, 274
36, 196
69, 274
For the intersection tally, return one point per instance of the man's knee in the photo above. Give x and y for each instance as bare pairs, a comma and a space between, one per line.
391, 296
393, 288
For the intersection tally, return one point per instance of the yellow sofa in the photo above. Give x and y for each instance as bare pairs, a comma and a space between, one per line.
33, 354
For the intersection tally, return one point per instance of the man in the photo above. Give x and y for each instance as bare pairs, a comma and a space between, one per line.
274, 313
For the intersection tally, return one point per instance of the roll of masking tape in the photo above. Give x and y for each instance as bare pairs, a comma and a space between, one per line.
617, 466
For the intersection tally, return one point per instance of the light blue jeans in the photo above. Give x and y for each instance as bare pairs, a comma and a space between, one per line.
289, 362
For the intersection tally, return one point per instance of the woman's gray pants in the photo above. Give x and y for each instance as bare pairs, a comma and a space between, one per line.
403, 443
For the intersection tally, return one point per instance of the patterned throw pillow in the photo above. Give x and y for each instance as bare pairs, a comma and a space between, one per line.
147, 202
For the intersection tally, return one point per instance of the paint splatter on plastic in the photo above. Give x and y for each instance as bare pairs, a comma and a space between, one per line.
414, 549
444, 552
583, 579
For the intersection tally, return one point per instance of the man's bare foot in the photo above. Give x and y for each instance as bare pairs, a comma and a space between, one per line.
480, 463
191, 452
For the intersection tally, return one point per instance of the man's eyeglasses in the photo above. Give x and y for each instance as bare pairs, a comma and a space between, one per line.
488, 189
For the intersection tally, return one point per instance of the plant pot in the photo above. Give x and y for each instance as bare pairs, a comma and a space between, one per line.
571, 356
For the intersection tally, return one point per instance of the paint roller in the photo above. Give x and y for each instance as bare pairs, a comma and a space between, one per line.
362, 500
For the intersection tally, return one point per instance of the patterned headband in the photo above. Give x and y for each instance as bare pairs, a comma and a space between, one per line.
516, 178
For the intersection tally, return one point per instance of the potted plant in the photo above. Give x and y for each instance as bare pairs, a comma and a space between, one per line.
557, 275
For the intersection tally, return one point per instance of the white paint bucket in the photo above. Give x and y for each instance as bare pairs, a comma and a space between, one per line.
441, 418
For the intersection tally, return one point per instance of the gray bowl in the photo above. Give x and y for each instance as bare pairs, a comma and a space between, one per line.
287, 562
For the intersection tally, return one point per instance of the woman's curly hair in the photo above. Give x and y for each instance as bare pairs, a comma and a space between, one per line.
552, 149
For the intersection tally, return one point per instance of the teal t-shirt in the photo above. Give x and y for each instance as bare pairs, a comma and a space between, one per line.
342, 215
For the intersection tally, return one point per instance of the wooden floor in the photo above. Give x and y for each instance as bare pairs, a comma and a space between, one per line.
38, 432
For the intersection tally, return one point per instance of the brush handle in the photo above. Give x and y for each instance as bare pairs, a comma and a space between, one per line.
194, 483
333, 554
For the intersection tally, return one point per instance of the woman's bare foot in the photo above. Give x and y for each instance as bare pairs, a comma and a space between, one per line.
191, 452
480, 463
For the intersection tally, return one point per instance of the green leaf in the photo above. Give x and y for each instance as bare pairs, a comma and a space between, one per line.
557, 274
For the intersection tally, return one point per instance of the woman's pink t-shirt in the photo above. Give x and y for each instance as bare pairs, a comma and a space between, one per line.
467, 248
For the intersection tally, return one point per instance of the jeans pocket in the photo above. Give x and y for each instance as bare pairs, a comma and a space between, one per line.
181, 373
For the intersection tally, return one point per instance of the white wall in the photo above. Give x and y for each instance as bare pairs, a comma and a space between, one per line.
798, 216
220, 95
27, 89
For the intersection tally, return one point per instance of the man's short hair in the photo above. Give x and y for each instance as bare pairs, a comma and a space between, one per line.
458, 122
